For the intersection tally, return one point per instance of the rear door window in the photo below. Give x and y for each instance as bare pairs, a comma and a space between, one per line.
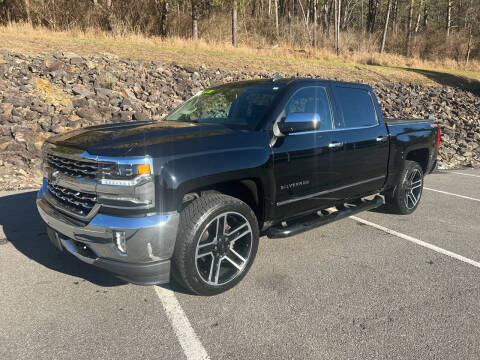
356, 106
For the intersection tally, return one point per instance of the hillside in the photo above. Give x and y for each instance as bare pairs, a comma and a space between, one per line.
369, 67
49, 86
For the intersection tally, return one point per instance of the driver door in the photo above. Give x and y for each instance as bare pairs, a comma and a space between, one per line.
305, 163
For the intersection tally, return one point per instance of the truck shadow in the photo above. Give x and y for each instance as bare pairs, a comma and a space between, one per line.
452, 80
24, 228
380, 210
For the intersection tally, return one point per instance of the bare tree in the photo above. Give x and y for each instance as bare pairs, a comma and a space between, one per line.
163, 24
449, 17
325, 12
234, 23
417, 23
409, 28
109, 18
194, 20
399, 26
339, 16
348, 11
469, 47
385, 28
27, 10
395, 16
335, 27
337, 12
305, 15
425, 16
315, 23
372, 15
276, 17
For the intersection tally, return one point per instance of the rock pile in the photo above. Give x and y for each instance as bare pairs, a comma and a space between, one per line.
456, 111
48, 94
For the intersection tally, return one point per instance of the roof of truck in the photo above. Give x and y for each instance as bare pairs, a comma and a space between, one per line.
291, 81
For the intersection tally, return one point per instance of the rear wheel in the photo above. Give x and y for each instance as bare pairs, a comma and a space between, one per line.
216, 244
405, 197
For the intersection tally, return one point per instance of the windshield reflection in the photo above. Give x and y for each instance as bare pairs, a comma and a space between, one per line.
238, 107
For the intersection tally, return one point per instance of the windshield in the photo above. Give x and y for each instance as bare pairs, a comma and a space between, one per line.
238, 107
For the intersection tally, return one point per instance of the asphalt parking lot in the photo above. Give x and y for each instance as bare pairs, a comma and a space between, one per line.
376, 286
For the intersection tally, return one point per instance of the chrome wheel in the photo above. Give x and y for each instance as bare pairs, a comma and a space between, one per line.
413, 188
224, 248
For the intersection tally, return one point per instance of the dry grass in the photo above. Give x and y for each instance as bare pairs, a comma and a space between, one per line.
349, 65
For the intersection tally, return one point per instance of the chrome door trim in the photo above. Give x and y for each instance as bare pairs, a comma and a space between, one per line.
284, 202
334, 130
335, 144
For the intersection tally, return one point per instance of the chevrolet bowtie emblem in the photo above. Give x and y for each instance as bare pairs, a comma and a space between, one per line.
54, 177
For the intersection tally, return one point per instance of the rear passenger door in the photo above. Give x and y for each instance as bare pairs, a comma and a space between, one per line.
365, 141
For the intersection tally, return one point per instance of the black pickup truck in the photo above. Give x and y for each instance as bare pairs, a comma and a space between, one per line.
190, 196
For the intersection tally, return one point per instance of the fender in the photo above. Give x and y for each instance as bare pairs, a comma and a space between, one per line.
248, 156
404, 140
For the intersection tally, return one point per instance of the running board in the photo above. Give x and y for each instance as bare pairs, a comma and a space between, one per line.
315, 220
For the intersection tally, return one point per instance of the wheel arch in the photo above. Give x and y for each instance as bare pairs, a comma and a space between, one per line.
250, 190
421, 156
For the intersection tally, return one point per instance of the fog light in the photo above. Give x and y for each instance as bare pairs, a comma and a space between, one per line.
120, 241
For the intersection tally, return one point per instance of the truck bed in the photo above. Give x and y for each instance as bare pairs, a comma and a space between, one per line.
391, 121
404, 126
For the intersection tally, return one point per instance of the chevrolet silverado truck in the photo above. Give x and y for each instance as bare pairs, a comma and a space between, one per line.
189, 196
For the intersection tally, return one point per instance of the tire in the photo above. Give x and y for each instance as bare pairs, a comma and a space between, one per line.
215, 229
407, 192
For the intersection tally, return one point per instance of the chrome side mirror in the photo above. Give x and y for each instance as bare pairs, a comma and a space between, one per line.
300, 122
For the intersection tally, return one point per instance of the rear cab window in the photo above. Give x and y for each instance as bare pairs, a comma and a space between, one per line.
356, 106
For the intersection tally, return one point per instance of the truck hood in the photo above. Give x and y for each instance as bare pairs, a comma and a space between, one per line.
154, 138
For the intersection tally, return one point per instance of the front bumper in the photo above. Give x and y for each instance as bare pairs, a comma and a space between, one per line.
150, 242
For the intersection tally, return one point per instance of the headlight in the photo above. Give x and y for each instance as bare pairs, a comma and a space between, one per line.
124, 174
126, 183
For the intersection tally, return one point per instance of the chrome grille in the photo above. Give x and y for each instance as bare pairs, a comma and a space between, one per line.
70, 167
78, 202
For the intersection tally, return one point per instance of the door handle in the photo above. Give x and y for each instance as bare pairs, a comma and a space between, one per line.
381, 138
335, 144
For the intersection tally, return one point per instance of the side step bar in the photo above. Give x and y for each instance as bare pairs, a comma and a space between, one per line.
312, 221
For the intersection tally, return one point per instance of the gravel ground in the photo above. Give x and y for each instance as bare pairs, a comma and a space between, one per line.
345, 290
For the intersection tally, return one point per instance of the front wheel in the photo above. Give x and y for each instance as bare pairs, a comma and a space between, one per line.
405, 197
216, 244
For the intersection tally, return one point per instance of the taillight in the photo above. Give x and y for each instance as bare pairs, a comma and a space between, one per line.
438, 138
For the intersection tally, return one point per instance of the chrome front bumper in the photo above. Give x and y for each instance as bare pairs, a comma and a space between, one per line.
150, 242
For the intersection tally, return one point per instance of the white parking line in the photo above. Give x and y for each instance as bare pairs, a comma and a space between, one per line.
459, 173
418, 242
191, 345
448, 193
